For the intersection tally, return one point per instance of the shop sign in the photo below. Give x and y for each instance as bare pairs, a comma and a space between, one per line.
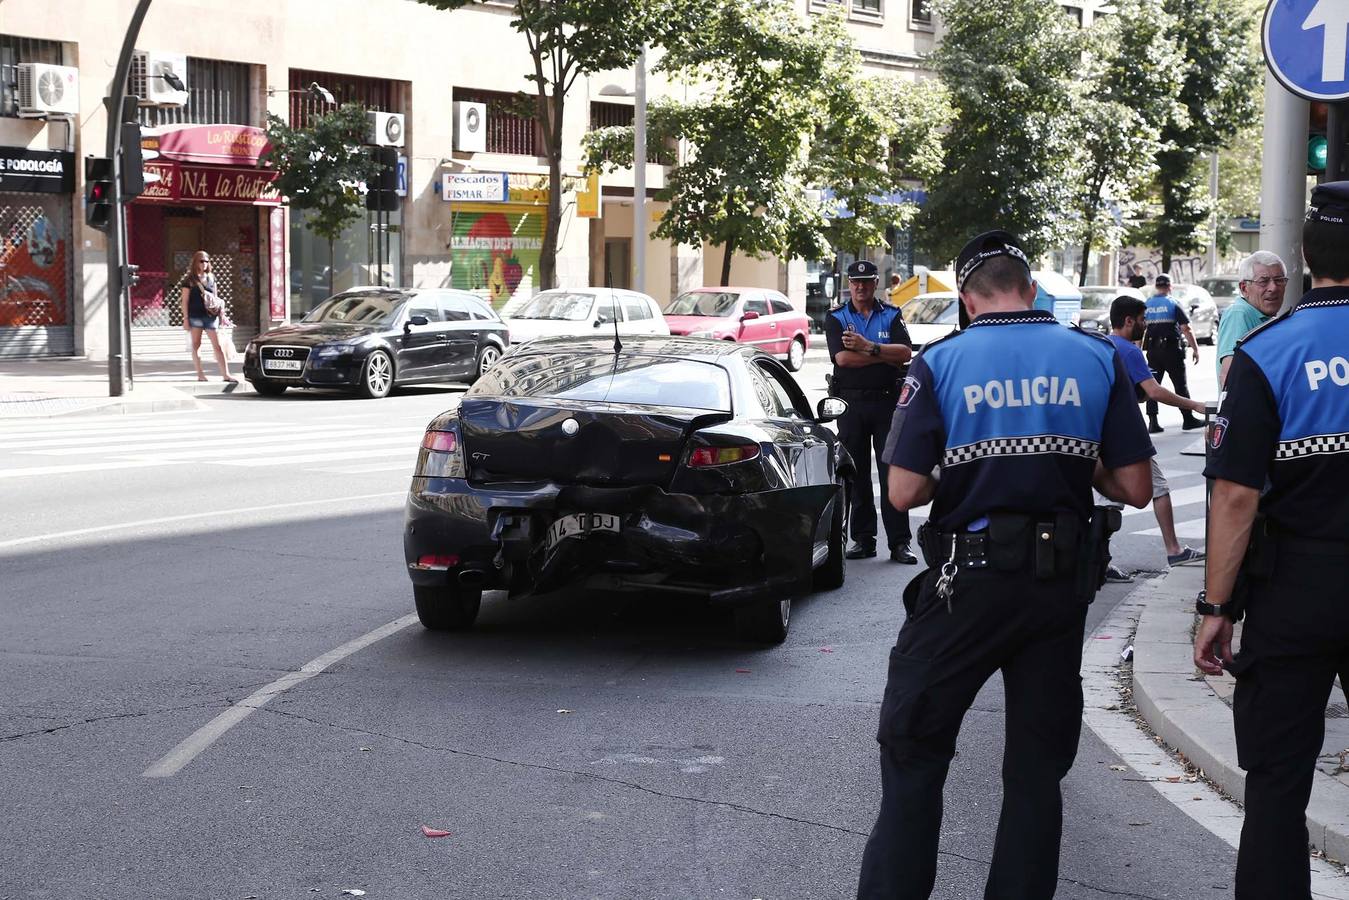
37, 171
480, 187
493, 252
239, 145
402, 188
210, 184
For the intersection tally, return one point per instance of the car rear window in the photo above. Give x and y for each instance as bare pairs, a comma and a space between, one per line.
599, 377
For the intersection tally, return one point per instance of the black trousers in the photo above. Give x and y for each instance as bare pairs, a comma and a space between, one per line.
1031, 631
1295, 641
863, 430
1168, 359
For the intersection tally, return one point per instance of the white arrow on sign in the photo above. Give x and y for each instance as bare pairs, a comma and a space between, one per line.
1333, 16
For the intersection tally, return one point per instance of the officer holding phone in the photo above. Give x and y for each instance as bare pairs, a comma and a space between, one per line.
870, 347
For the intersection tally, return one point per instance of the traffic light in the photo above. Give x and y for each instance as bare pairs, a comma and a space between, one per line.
98, 209
1317, 141
382, 192
133, 163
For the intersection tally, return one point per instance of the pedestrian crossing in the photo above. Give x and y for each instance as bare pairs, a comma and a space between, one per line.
350, 444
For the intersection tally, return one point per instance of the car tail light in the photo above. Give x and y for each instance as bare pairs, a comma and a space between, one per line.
440, 456
436, 561
701, 457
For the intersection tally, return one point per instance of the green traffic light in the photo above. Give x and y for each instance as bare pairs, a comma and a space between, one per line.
1316, 153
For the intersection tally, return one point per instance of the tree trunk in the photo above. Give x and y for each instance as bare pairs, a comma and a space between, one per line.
1166, 260
332, 265
726, 262
1086, 255
552, 129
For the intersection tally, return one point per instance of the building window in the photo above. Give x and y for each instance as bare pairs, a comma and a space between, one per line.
13, 52
379, 94
870, 8
218, 93
512, 121
622, 115
920, 12
1074, 13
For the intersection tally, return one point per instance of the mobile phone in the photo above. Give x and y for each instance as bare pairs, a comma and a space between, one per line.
852, 327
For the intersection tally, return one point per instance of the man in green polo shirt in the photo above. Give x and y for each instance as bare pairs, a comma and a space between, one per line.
1263, 279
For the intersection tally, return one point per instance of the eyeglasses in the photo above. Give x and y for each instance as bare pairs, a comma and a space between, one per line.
1266, 281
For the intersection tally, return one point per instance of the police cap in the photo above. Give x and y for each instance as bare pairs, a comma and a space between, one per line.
1162, 280
989, 245
1330, 203
862, 269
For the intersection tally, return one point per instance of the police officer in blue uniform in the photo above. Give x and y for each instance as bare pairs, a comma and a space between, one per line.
869, 346
1004, 427
1283, 556
1166, 324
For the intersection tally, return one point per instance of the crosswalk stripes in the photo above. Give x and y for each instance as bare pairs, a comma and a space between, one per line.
331, 443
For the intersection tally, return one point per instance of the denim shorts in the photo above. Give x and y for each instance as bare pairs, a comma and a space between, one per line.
207, 324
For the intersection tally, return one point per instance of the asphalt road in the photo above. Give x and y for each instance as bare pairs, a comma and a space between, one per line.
156, 570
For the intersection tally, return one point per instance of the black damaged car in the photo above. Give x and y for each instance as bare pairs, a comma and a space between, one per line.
679, 465
371, 340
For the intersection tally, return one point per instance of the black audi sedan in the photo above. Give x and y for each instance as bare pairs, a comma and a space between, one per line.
678, 465
372, 339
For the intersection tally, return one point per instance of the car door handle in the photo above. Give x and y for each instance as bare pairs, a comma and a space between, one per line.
811, 442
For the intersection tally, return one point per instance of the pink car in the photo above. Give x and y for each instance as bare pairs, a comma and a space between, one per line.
755, 316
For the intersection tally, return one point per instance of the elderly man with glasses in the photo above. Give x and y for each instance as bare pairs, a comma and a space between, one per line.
1263, 279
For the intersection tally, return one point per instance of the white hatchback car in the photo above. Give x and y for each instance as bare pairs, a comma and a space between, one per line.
931, 316
585, 312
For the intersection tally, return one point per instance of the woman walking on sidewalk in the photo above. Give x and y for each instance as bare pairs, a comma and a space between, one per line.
201, 312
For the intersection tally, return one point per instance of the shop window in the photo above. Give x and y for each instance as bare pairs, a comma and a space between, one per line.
218, 94
920, 13
16, 50
379, 94
512, 121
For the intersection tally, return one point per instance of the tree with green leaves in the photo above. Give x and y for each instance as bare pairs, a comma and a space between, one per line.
1217, 97
568, 39
322, 169
1011, 67
1133, 79
786, 112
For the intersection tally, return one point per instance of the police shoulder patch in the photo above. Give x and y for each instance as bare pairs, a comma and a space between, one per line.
906, 393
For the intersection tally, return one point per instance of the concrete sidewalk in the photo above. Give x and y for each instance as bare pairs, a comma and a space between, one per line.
36, 388
1192, 713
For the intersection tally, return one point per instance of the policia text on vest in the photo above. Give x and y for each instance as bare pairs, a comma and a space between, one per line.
1015, 412
1279, 546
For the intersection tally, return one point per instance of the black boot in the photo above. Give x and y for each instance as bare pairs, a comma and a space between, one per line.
861, 550
902, 554
1153, 427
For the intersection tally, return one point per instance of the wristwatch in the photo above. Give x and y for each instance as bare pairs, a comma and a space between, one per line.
874, 349
1204, 608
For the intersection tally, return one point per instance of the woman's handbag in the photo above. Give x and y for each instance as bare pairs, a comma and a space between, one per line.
210, 299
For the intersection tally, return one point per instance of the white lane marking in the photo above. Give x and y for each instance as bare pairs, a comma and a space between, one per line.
408, 450
266, 452
1121, 734
155, 424
164, 520
190, 748
135, 448
72, 468
364, 470
140, 436
1181, 497
1190, 528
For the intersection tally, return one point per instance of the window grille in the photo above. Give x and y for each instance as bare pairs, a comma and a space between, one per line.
379, 94
512, 121
217, 93
16, 50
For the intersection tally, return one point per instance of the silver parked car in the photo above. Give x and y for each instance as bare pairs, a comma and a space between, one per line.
1201, 309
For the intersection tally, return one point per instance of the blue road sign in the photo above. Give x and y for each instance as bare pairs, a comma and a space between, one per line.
1307, 47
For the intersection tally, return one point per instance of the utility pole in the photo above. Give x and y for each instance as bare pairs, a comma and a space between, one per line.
639, 177
119, 348
1213, 196
1283, 181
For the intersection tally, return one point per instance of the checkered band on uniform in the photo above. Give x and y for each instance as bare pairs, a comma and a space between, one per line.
1035, 445
1313, 446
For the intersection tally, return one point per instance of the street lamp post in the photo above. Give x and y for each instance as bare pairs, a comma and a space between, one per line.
639, 177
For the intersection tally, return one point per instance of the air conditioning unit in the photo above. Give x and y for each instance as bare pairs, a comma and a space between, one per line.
46, 90
470, 127
159, 79
384, 129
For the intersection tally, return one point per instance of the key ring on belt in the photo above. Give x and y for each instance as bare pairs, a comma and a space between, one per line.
949, 570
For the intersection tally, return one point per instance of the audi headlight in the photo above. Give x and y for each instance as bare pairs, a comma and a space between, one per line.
330, 350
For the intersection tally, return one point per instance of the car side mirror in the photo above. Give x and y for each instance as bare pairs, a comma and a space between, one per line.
829, 409
415, 320
749, 316
597, 323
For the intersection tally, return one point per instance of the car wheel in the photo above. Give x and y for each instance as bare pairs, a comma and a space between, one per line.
376, 375
448, 607
268, 388
486, 359
796, 355
765, 622
830, 576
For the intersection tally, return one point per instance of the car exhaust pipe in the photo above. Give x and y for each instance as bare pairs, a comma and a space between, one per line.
472, 578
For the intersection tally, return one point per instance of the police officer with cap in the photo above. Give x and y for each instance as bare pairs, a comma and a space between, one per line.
1284, 556
869, 346
1004, 427
1166, 322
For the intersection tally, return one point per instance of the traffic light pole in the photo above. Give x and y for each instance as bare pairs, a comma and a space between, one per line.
1335, 137
1283, 181
119, 344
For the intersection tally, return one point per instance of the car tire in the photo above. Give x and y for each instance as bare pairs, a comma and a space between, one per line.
830, 575
487, 357
376, 376
448, 607
765, 622
269, 388
796, 355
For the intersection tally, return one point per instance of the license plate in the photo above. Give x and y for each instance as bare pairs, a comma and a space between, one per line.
578, 524
291, 365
